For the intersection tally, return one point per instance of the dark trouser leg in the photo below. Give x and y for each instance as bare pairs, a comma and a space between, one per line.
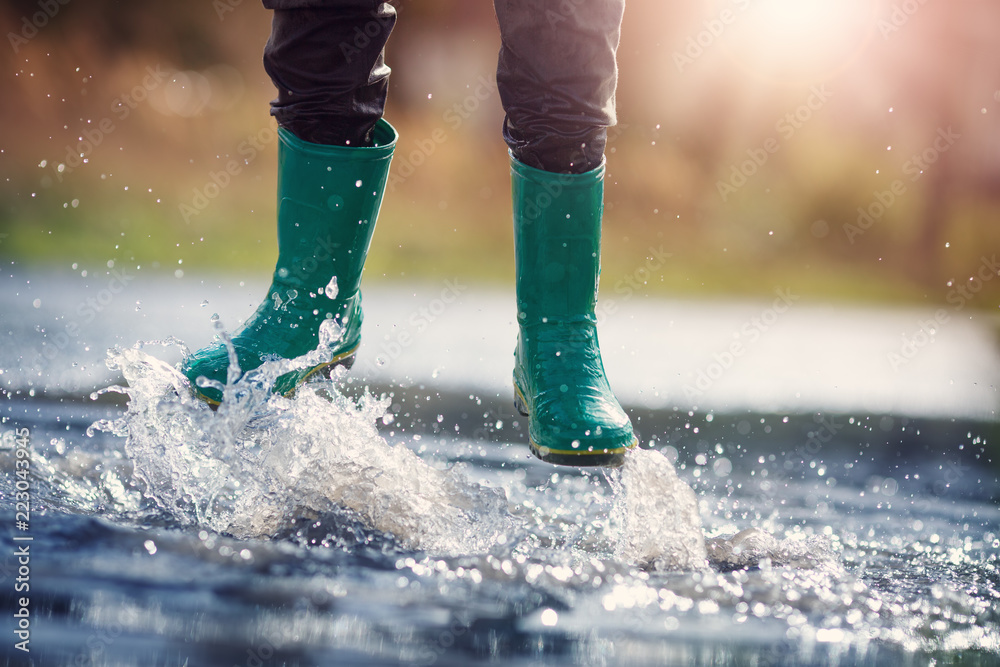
325, 59
557, 75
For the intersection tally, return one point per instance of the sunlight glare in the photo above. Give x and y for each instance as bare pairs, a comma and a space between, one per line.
795, 40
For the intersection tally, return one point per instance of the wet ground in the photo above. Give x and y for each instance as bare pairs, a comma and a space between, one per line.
407, 523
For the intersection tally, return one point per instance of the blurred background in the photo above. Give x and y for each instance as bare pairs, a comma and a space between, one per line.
848, 150
839, 155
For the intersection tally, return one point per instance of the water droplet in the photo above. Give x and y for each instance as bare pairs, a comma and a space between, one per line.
330, 333
722, 467
331, 289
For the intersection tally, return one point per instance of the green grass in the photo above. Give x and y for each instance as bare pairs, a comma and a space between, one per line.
451, 218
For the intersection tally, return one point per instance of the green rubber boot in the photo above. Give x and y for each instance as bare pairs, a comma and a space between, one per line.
559, 381
328, 200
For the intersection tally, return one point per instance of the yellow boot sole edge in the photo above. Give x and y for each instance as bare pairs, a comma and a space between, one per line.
608, 458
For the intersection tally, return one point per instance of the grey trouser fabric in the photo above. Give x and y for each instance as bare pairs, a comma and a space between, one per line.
556, 74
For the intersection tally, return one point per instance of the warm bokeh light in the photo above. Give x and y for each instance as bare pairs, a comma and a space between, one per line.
793, 41
754, 137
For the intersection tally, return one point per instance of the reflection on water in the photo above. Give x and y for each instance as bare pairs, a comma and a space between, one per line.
294, 531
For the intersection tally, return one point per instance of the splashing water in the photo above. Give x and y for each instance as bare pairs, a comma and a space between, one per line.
262, 460
662, 526
545, 546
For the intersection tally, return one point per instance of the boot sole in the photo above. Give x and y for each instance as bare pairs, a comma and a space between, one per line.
606, 458
345, 359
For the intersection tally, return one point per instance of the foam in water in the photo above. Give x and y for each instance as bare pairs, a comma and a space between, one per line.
754, 547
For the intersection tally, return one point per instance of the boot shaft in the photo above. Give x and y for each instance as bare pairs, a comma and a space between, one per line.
557, 242
328, 202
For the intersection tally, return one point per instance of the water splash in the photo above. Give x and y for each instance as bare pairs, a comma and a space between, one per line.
580, 545
754, 547
262, 461
661, 526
